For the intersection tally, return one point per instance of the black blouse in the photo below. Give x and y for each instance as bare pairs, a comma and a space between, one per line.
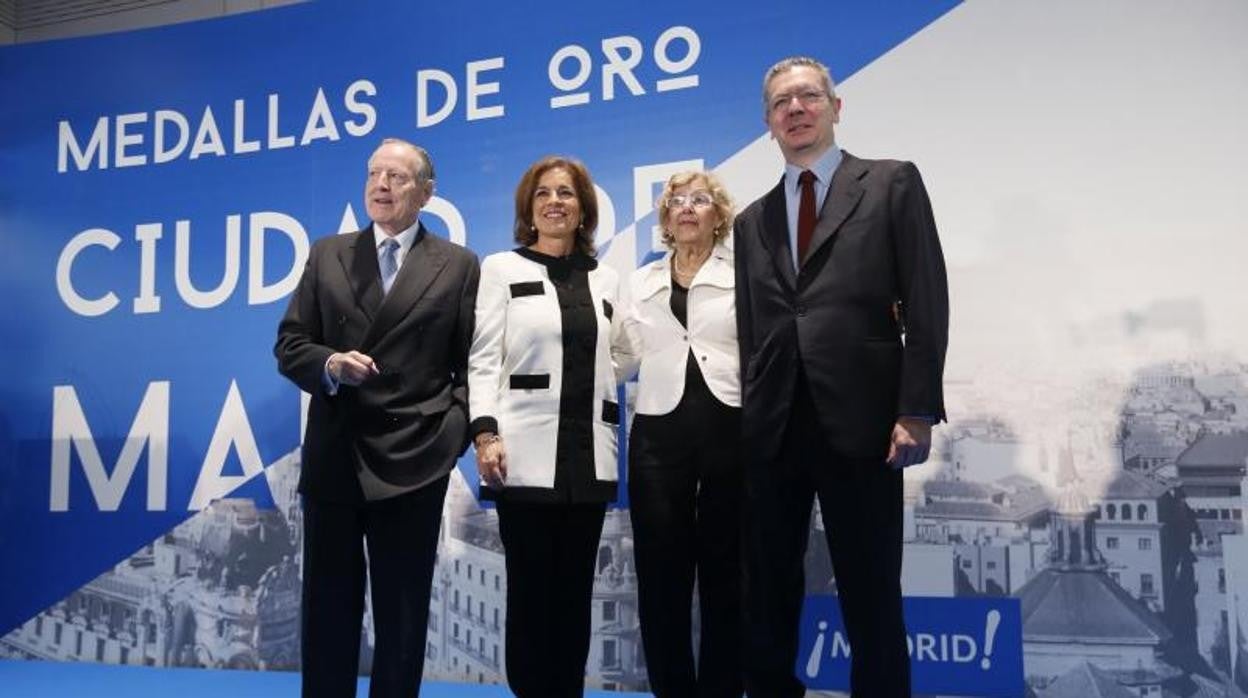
697, 399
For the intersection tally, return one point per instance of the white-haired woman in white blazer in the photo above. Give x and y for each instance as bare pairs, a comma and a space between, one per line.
685, 474
542, 397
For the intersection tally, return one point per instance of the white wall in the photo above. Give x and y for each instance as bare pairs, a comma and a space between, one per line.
24, 22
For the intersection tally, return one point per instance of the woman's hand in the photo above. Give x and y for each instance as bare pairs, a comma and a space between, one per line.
491, 459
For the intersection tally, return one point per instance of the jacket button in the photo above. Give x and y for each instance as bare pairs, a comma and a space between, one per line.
685, 337
704, 357
801, 311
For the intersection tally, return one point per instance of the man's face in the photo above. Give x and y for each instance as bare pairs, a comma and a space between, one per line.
801, 113
394, 192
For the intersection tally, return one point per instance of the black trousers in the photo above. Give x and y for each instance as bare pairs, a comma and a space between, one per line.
550, 551
861, 505
685, 490
402, 538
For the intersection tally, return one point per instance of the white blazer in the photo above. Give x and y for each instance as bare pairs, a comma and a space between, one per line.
519, 331
655, 339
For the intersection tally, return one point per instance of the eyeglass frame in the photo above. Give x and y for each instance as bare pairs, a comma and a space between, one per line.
806, 96
695, 200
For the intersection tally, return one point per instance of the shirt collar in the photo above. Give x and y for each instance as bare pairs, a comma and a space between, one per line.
718, 270
823, 169
405, 238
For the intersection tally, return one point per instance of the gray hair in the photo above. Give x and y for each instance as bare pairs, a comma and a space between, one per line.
427, 163
790, 63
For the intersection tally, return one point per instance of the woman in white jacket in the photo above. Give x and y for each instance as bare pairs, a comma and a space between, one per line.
685, 473
542, 397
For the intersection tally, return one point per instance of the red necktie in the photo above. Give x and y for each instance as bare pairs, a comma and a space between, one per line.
805, 214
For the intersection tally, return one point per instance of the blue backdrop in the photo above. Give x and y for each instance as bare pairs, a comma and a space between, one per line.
161, 187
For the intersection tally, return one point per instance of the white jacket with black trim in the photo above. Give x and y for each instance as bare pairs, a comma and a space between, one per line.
516, 362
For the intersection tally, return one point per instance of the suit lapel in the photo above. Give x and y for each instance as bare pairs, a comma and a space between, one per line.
359, 261
842, 199
775, 234
420, 267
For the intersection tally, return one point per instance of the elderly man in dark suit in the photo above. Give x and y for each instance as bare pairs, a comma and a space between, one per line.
842, 312
378, 333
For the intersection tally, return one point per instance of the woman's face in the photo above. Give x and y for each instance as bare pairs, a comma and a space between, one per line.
556, 208
691, 215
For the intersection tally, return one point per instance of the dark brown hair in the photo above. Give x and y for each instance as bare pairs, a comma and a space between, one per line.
525, 233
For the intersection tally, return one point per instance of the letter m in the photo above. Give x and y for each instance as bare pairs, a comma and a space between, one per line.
70, 432
67, 145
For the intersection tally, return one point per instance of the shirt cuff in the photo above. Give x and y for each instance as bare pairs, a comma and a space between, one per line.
327, 381
930, 419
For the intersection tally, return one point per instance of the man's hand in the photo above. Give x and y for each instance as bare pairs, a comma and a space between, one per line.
911, 443
491, 459
351, 367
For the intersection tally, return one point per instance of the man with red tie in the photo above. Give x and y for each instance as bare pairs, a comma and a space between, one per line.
842, 314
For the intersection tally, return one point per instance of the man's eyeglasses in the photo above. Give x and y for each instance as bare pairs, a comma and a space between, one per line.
807, 98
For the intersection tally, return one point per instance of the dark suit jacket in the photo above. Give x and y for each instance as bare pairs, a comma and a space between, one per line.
409, 424
875, 245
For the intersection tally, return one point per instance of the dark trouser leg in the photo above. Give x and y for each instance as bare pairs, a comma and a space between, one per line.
550, 554
719, 561
777, 523
662, 492
529, 556
580, 531
861, 503
333, 598
402, 536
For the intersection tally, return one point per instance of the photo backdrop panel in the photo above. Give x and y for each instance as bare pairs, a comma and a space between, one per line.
1085, 185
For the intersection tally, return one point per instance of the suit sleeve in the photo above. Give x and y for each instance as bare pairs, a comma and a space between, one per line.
464, 327
923, 290
741, 290
485, 358
300, 351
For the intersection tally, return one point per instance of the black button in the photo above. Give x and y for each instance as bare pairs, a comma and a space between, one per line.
685, 337
801, 311
704, 357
